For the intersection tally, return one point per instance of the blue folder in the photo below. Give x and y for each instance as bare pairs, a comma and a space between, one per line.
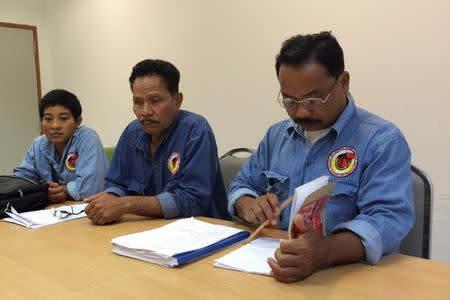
186, 257
135, 245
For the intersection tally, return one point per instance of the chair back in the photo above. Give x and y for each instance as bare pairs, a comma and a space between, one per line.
109, 152
417, 242
231, 162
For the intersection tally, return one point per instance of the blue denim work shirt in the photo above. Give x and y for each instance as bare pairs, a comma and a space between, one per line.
82, 166
367, 157
184, 174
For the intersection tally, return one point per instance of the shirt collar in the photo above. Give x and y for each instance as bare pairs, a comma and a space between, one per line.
337, 127
294, 127
345, 116
49, 149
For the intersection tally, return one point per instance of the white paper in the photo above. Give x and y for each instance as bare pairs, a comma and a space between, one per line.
39, 218
177, 237
302, 192
252, 257
151, 257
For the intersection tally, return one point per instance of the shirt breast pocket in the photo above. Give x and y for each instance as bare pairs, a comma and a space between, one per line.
275, 182
342, 206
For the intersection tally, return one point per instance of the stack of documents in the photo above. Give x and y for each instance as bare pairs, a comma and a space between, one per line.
250, 258
39, 218
177, 243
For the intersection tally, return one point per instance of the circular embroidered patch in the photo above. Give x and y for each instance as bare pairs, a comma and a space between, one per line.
71, 162
342, 161
173, 163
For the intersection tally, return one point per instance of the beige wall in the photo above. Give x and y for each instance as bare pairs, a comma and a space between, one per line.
397, 52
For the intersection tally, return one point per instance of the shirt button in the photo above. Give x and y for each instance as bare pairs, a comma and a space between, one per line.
308, 163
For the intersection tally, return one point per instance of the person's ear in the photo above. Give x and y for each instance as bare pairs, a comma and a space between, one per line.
78, 121
178, 99
345, 81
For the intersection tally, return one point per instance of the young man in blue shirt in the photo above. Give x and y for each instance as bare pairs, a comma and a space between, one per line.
165, 163
368, 158
69, 157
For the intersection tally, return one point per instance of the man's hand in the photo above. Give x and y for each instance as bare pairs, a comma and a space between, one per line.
296, 259
56, 193
257, 210
105, 208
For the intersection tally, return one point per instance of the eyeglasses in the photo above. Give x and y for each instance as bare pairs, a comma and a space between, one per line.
310, 103
62, 214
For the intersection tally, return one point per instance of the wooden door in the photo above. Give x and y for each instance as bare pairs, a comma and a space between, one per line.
19, 93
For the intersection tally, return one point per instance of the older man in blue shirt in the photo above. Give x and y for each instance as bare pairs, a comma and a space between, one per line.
368, 158
165, 164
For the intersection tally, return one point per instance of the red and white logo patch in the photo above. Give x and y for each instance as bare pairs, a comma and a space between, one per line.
342, 162
173, 163
71, 162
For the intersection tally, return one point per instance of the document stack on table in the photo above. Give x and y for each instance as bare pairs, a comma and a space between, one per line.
309, 200
177, 243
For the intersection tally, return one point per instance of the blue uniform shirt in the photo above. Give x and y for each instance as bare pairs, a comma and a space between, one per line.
366, 156
184, 175
82, 167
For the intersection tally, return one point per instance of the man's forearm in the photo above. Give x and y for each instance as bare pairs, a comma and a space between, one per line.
341, 248
143, 206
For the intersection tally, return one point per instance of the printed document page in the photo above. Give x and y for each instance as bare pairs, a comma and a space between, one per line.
39, 218
250, 258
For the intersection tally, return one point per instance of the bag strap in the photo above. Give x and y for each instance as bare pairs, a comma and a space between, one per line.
24, 178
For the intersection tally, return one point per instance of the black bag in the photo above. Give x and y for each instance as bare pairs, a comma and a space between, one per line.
22, 193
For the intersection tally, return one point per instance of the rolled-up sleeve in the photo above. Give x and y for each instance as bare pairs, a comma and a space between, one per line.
168, 205
385, 199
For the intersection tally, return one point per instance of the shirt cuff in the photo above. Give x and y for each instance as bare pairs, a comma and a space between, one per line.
168, 205
235, 195
370, 238
115, 190
73, 190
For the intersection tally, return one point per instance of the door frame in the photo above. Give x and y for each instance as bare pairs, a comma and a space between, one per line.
36, 52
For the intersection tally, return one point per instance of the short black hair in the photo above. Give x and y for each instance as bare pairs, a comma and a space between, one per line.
320, 47
63, 98
167, 71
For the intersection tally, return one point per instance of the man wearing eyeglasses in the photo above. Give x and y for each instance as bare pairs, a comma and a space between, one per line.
327, 134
